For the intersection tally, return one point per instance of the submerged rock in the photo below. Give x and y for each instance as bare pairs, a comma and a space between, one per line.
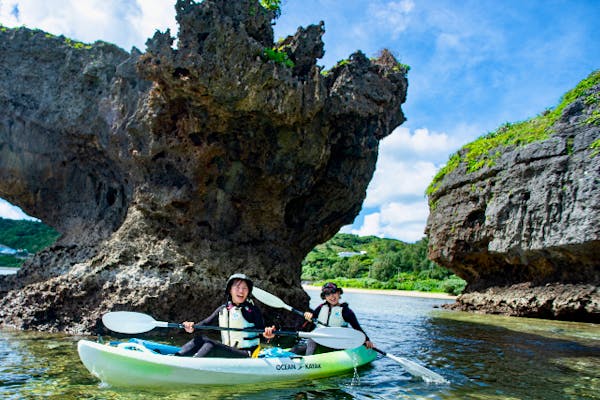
521, 222
166, 171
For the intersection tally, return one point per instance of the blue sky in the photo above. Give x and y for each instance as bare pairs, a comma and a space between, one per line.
475, 64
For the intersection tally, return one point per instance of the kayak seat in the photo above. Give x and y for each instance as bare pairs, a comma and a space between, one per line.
134, 346
272, 352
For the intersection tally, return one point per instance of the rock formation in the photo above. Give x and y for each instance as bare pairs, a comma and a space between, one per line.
524, 229
167, 171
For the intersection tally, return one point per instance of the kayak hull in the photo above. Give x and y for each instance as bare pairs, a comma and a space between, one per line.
137, 366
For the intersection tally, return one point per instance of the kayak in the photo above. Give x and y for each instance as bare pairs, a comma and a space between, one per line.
142, 363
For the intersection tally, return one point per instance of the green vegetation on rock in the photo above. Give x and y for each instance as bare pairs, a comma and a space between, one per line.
595, 147
372, 262
10, 261
271, 5
77, 45
27, 235
484, 151
278, 55
593, 119
401, 68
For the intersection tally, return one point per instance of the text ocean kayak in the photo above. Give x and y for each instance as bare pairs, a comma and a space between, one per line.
140, 364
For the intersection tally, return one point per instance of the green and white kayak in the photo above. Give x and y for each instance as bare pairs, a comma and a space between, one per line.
148, 364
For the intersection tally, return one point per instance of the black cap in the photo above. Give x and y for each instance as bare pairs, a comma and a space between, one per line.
329, 288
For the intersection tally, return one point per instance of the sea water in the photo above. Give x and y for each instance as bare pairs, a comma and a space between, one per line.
481, 356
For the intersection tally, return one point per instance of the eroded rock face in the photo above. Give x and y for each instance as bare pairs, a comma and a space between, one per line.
169, 170
525, 232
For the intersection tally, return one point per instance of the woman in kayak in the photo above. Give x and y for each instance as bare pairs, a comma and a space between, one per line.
238, 312
331, 313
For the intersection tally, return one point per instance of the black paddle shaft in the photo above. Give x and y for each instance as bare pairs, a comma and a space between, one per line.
219, 328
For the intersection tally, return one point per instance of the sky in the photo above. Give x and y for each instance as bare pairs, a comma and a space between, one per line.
474, 65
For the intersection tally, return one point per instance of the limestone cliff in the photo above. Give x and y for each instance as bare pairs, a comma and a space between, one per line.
517, 214
167, 171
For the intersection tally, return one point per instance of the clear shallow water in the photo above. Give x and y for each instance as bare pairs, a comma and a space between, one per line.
483, 357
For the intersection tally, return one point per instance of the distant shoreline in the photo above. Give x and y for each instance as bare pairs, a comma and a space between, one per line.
8, 270
391, 292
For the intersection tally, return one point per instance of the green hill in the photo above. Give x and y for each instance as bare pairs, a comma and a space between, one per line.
372, 262
27, 235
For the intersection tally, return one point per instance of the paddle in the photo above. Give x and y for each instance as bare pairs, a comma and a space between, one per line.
133, 322
274, 301
410, 366
415, 369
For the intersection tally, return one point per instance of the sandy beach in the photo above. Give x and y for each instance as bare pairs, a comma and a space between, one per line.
8, 271
406, 293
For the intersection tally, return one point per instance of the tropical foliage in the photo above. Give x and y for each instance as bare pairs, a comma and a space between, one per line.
31, 236
279, 56
595, 146
272, 5
372, 262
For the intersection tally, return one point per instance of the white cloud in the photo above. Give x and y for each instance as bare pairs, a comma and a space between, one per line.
421, 144
402, 221
125, 23
9, 211
155, 15
407, 164
369, 227
403, 213
395, 180
392, 17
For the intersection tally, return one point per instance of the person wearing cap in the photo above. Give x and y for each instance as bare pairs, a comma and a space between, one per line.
238, 312
332, 313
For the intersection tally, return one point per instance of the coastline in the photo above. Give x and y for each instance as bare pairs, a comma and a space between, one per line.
8, 270
391, 292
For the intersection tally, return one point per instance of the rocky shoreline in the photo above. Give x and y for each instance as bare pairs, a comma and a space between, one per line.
571, 302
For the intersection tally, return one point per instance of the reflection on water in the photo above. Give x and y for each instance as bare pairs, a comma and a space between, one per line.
483, 357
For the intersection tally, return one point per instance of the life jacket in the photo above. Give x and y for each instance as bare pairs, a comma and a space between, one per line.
231, 316
332, 316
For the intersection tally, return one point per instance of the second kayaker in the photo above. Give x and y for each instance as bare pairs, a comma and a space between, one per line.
238, 312
330, 313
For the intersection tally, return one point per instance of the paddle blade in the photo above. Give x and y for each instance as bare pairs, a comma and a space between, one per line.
335, 337
418, 370
269, 299
128, 322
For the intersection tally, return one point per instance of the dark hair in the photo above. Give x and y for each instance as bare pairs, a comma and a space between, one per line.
329, 288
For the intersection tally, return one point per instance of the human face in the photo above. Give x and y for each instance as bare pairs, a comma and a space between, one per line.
333, 298
239, 291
